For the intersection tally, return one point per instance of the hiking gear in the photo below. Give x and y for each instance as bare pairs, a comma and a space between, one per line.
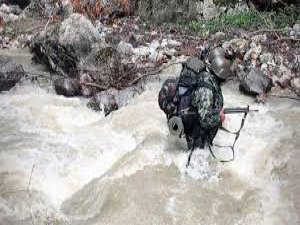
175, 125
200, 101
202, 93
166, 97
194, 111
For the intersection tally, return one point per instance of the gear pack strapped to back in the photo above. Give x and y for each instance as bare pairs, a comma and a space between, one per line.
194, 75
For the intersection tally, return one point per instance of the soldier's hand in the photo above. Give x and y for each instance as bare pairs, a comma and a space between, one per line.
222, 115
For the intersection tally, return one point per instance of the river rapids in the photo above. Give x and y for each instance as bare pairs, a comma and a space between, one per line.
62, 163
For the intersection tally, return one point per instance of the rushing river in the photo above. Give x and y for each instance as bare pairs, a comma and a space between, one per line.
62, 163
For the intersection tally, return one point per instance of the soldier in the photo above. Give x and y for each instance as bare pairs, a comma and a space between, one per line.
193, 102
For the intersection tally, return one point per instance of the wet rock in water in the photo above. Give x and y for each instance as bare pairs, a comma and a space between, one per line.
10, 73
68, 87
295, 84
114, 99
104, 101
254, 81
79, 32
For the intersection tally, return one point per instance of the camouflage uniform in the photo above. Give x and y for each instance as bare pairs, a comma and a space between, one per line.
198, 101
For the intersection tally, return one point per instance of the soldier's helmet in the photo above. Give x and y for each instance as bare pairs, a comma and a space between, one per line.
167, 95
219, 64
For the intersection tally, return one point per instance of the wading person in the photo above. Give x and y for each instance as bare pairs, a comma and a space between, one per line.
193, 102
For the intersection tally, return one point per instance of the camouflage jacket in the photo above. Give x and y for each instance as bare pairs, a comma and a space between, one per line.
197, 92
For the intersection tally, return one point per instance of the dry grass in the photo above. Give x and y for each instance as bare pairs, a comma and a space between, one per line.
98, 9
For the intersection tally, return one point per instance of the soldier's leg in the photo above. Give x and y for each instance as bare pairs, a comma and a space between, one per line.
190, 142
198, 137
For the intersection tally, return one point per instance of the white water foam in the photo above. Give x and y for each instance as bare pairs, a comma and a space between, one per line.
70, 145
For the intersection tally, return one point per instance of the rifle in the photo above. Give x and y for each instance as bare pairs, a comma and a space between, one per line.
176, 126
239, 110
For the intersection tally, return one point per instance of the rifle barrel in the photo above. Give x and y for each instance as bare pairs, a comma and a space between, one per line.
238, 110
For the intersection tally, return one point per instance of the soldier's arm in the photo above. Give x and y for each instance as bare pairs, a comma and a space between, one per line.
203, 100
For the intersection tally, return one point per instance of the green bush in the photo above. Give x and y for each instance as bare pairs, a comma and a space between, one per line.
248, 20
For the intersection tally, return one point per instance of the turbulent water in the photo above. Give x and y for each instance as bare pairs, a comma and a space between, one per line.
62, 163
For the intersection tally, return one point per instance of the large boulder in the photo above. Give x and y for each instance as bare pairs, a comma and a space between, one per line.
161, 11
10, 73
254, 81
68, 87
54, 56
61, 48
79, 32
